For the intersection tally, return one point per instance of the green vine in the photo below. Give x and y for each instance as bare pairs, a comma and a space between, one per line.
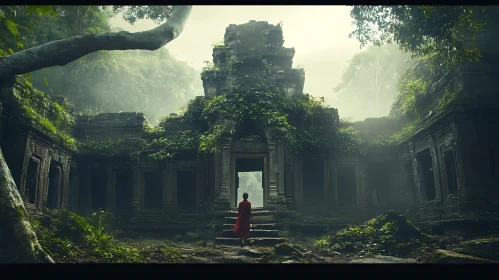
53, 118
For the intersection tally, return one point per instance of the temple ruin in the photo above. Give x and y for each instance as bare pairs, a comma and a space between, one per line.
448, 168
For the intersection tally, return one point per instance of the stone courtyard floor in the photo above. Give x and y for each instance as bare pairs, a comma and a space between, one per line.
208, 252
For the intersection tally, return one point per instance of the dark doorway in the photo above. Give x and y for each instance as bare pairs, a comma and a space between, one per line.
153, 190
186, 190
347, 185
409, 172
55, 178
427, 179
250, 179
450, 172
124, 192
72, 189
379, 181
313, 181
32, 180
98, 185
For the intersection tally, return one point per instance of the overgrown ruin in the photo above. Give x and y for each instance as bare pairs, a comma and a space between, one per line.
446, 168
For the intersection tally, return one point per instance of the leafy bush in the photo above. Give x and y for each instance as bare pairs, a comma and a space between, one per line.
389, 233
69, 237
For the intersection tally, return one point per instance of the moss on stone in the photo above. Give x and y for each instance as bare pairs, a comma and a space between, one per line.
389, 233
287, 249
487, 248
448, 257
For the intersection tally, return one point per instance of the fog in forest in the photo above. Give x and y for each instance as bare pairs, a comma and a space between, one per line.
319, 35
361, 83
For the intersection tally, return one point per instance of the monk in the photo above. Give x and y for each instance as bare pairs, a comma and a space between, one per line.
244, 217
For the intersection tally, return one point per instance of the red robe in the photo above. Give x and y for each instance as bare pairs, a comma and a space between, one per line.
242, 227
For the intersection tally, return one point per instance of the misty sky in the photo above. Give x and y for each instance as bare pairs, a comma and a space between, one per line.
319, 35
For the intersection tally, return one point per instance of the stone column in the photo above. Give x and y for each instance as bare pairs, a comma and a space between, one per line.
273, 169
365, 198
212, 180
436, 164
289, 173
224, 197
466, 157
218, 172
281, 167
334, 182
298, 180
416, 168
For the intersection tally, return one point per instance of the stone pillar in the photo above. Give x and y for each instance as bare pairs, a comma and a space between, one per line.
365, 198
436, 164
298, 180
466, 157
218, 172
281, 168
289, 175
224, 198
416, 169
334, 182
170, 205
273, 169
212, 177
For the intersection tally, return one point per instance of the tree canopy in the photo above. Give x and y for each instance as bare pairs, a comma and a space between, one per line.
421, 30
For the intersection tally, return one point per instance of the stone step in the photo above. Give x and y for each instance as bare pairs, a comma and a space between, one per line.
259, 241
257, 226
234, 213
253, 233
257, 219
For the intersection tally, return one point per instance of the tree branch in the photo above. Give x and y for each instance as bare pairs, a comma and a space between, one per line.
61, 52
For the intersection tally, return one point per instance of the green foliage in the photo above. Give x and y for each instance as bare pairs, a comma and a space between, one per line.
157, 13
52, 117
258, 106
170, 145
69, 237
111, 147
421, 30
430, 76
389, 233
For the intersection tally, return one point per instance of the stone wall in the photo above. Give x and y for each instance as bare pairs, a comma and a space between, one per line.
111, 125
39, 163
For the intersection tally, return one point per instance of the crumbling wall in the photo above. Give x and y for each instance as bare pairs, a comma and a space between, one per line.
111, 125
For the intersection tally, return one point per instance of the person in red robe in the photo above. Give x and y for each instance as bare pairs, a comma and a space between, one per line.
244, 217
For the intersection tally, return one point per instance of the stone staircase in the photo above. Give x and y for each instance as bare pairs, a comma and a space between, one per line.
263, 233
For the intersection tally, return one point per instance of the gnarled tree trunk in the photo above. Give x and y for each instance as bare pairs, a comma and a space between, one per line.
18, 242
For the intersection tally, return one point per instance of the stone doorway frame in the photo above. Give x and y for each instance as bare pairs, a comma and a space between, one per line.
233, 175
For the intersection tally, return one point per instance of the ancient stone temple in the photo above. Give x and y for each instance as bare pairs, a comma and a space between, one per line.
256, 48
433, 172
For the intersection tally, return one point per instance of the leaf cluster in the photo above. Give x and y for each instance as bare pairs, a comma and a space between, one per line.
421, 30
52, 117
